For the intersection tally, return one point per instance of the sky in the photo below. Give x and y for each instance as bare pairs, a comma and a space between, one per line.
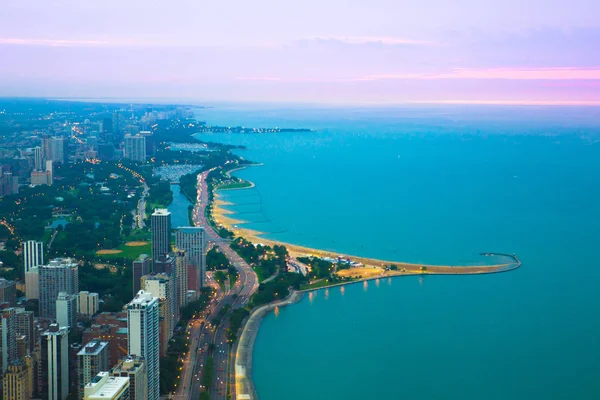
317, 51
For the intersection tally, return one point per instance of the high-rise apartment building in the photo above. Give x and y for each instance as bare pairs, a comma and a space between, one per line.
181, 274
16, 384
8, 338
66, 310
163, 287
133, 368
8, 292
161, 232
59, 275
143, 328
38, 158
33, 254
141, 267
55, 363
91, 359
26, 327
88, 303
135, 147
106, 387
32, 283
193, 241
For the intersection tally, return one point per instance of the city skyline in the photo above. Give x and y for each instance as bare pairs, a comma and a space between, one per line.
339, 52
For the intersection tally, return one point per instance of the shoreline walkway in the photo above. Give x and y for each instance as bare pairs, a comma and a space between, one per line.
244, 385
245, 389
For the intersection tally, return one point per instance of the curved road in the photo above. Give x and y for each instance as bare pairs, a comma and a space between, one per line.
202, 335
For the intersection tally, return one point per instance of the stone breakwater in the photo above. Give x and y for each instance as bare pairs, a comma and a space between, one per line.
243, 359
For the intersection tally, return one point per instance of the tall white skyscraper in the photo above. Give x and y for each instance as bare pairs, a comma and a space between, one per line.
135, 147
33, 254
161, 233
8, 338
193, 241
55, 363
60, 275
66, 310
143, 336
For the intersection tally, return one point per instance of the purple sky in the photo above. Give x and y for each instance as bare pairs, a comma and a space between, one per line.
355, 51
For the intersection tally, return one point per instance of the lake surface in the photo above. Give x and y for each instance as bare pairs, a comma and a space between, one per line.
434, 185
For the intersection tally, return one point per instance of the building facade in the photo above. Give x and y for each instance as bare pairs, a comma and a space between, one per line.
66, 310
91, 359
181, 267
133, 368
15, 384
162, 286
59, 275
140, 267
8, 338
88, 303
32, 283
161, 233
135, 147
193, 241
143, 328
33, 254
55, 363
8, 292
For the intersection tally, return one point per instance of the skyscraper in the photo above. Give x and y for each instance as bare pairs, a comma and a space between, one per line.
141, 267
91, 359
66, 310
161, 233
143, 328
16, 385
193, 241
32, 283
8, 292
163, 287
106, 387
38, 158
60, 275
8, 338
182, 277
133, 368
26, 327
135, 147
33, 254
55, 363
87, 303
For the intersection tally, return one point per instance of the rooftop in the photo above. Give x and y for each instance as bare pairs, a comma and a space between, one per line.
104, 386
93, 348
161, 211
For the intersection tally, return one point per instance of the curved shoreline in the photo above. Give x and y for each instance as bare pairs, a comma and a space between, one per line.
244, 384
221, 216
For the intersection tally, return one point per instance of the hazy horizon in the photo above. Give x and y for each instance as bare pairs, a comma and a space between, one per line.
343, 52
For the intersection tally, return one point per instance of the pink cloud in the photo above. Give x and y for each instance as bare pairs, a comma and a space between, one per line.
61, 42
562, 73
258, 78
385, 40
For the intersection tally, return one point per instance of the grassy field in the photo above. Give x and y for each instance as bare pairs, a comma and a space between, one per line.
235, 185
315, 285
128, 252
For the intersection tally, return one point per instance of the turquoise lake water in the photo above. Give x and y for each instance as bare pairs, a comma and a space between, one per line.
179, 208
434, 185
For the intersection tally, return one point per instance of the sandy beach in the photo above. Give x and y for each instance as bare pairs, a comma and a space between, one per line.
222, 216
